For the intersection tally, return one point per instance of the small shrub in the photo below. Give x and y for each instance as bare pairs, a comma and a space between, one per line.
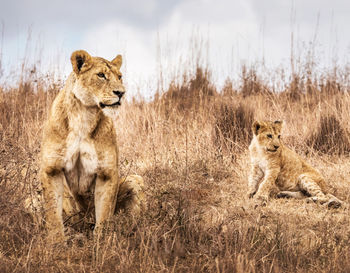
190, 94
252, 84
232, 125
330, 137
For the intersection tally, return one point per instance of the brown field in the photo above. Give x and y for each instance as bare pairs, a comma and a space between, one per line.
190, 145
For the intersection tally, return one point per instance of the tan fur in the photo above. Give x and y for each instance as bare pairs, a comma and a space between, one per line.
131, 196
277, 169
79, 153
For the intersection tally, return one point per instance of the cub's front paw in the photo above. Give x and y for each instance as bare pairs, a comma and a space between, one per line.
261, 200
334, 203
282, 195
251, 194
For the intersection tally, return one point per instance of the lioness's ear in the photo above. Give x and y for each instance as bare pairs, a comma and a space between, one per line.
81, 61
255, 127
118, 61
278, 124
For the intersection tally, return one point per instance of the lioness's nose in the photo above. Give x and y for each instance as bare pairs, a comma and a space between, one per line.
119, 93
275, 146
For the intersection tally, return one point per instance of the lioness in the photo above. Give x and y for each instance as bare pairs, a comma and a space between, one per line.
274, 167
79, 153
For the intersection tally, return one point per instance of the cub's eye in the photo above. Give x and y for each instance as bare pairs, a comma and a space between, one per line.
101, 75
269, 136
279, 136
119, 77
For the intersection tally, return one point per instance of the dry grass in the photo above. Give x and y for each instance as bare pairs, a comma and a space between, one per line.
232, 125
330, 137
198, 218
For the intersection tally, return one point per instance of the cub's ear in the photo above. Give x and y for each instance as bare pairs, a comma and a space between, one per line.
278, 124
81, 61
118, 61
256, 127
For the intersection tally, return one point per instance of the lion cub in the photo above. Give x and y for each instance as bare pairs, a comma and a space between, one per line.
276, 168
79, 152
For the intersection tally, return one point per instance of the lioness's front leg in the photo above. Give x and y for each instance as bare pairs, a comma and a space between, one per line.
106, 191
52, 183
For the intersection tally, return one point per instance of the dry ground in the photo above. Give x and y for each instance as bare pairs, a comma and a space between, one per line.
190, 145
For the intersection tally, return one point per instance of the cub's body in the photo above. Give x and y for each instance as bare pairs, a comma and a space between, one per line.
277, 169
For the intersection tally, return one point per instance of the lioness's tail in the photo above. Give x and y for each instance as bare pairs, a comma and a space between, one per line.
131, 196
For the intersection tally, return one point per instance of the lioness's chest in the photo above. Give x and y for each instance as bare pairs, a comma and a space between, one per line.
81, 164
80, 159
80, 150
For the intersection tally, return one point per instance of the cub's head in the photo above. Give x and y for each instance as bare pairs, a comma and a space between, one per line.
98, 81
268, 135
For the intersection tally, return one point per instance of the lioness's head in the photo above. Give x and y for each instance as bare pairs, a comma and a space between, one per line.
98, 81
268, 135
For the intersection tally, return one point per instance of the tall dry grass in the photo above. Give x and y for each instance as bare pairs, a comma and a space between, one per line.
190, 145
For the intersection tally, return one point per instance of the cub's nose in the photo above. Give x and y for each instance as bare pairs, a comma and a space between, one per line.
119, 93
276, 146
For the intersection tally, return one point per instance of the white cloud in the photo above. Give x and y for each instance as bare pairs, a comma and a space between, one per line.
167, 36
136, 46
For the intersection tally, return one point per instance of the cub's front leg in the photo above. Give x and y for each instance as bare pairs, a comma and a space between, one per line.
268, 184
255, 177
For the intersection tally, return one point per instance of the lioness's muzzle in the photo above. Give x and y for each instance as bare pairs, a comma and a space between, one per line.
103, 105
117, 103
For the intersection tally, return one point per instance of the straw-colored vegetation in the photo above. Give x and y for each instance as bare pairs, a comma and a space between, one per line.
190, 146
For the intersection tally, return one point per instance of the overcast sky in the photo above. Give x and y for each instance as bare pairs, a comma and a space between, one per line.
166, 35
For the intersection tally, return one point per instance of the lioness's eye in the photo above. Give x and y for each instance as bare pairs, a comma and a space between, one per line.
269, 136
101, 75
279, 136
119, 77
